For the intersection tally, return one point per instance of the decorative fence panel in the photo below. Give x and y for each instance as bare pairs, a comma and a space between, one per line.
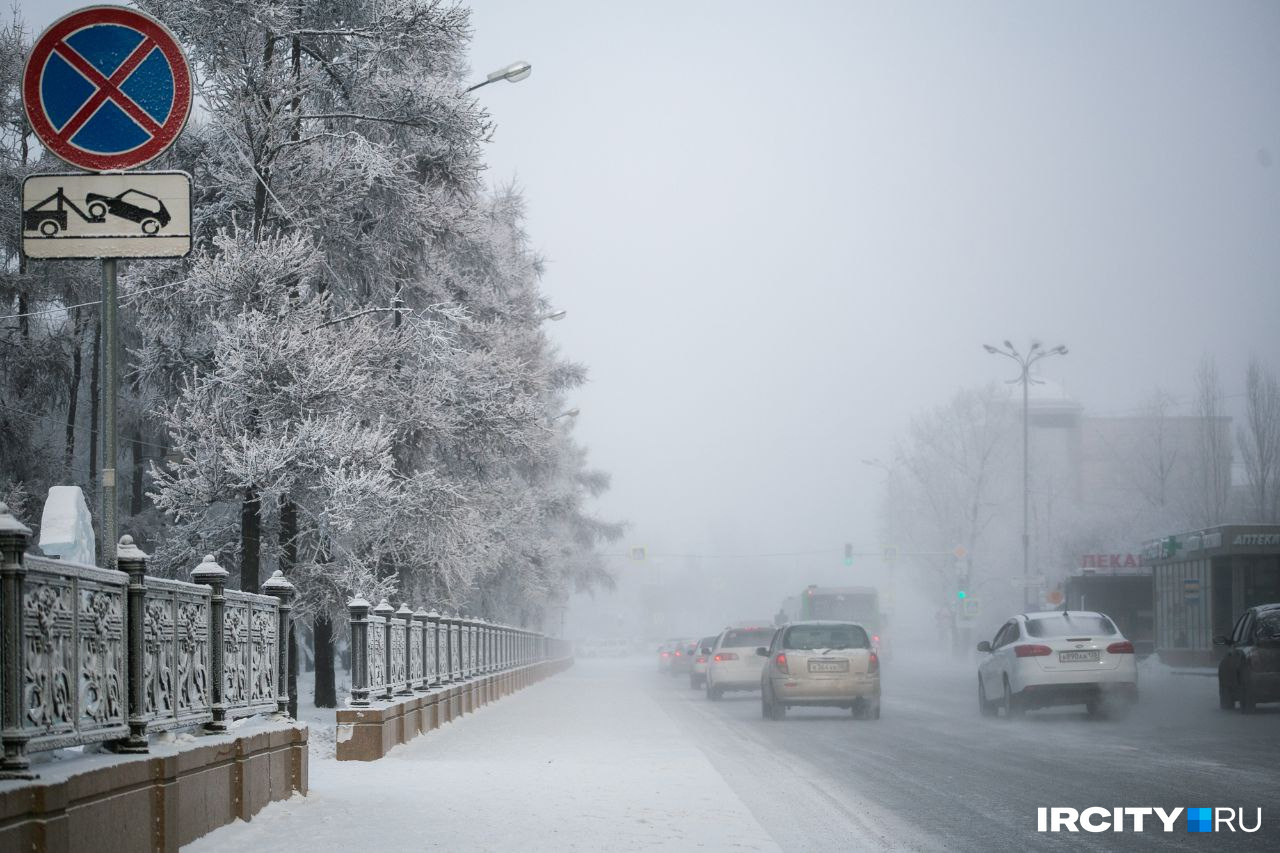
249, 654
397, 677
176, 646
73, 654
416, 670
377, 655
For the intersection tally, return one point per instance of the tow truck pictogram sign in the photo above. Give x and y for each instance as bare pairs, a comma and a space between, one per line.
128, 215
107, 88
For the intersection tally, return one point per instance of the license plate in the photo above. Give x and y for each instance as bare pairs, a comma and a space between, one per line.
828, 666
1078, 657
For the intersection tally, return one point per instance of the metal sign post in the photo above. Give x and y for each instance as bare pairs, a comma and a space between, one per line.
107, 89
110, 376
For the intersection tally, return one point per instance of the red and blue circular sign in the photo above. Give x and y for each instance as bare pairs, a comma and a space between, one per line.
107, 88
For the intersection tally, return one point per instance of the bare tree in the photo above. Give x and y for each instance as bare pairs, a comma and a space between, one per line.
1213, 462
1156, 453
1259, 440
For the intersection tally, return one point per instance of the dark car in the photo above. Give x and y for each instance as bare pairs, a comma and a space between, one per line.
682, 657
134, 205
1250, 671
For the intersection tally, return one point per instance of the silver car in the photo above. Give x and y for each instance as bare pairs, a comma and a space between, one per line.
820, 663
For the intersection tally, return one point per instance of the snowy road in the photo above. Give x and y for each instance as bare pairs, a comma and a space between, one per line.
611, 755
962, 782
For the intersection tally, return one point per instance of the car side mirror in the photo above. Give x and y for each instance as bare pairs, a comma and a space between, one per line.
762, 651
984, 646
1222, 641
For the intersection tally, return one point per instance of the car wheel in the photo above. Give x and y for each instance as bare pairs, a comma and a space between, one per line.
874, 713
985, 707
48, 228
1226, 701
713, 693
150, 226
1247, 703
1012, 707
777, 711
97, 210
693, 682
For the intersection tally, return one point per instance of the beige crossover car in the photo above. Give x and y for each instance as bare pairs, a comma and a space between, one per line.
820, 663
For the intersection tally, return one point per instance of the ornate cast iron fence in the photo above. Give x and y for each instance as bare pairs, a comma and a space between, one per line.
89, 654
395, 652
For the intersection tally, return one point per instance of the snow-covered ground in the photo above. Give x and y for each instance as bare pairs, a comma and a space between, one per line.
576, 762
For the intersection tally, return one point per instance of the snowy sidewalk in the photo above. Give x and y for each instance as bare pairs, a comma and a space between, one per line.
585, 760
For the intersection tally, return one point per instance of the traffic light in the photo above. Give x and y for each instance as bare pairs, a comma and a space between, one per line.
961, 594
848, 554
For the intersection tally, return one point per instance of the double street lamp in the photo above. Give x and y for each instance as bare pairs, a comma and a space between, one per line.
1025, 361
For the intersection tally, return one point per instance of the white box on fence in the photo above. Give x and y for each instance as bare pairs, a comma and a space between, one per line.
66, 526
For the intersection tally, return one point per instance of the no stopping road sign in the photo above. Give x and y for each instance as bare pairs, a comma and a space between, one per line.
107, 88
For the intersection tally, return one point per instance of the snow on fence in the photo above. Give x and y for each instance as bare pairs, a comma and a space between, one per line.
396, 652
90, 654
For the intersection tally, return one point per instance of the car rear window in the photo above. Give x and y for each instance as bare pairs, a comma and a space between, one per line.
823, 637
747, 638
1070, 625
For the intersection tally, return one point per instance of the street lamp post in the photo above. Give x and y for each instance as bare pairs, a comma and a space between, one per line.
1025, 361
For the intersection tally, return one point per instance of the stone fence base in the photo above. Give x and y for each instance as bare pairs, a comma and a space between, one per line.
368, 733
159, 801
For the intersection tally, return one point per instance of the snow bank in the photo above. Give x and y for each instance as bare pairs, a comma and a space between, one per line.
66, 526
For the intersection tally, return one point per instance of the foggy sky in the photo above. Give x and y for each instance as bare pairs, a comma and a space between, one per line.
781, 229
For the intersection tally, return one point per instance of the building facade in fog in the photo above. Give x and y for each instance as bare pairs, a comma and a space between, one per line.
1102, 485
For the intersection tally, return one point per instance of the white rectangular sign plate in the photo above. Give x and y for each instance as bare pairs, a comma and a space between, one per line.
120, 215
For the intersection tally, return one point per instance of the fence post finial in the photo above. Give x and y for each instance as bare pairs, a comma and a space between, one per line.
210, 574
279, 587
358, 613
131, 561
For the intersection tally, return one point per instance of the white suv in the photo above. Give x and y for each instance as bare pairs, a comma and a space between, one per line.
1038, 660
734, 664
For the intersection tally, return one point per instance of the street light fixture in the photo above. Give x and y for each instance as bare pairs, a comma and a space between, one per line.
513, 73
1025, 361
554, 316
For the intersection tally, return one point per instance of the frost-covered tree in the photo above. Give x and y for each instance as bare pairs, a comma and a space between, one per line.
348, 379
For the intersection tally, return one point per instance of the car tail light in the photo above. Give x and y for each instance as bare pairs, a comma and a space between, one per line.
873, 664
666, 654
700, 659
781, 663
1124, 647
875, 638
677, 654
726, 656
1032, 650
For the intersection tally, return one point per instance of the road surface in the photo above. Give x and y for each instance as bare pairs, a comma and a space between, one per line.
612, 755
